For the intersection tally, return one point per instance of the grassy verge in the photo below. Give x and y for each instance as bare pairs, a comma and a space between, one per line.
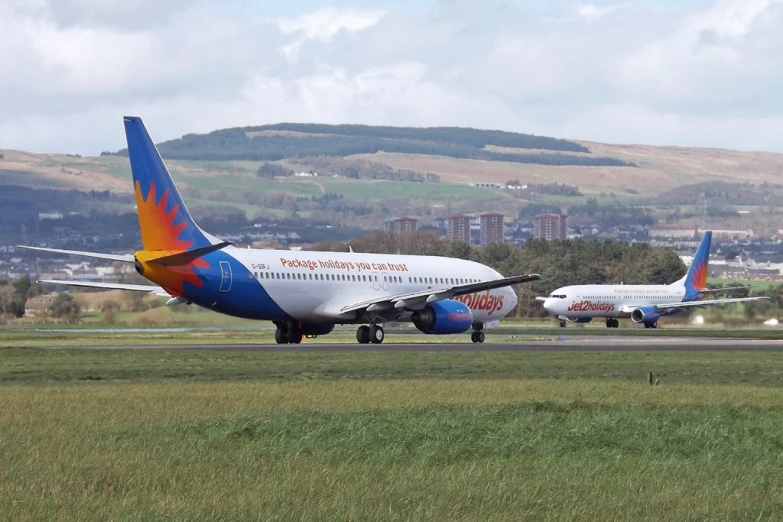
390, 436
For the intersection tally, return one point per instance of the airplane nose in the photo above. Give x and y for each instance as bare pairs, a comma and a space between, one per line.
512, 299
549, 304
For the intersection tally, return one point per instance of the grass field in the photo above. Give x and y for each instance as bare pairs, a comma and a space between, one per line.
189, 435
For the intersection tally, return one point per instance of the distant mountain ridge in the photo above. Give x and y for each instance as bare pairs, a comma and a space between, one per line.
296, 140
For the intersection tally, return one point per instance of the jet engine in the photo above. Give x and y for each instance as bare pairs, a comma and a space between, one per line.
443, 317
645, 315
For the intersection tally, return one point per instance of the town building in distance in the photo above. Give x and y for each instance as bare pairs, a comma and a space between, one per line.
402, 225
491, 228
458, 228
549, 226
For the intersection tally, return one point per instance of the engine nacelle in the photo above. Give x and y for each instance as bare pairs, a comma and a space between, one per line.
645, 315
315, 329
443, 317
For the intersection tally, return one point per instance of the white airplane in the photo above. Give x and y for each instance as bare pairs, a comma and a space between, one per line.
302, 293
642, 303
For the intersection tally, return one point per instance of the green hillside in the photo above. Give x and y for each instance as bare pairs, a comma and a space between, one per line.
298, 140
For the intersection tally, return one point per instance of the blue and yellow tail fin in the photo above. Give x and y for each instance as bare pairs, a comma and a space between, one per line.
164, 219
696, 279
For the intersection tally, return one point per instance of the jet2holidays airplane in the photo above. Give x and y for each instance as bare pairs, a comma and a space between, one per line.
302, 293
642, 303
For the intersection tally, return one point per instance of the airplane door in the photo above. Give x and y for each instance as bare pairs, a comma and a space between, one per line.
225, 276
385, 281
376, 281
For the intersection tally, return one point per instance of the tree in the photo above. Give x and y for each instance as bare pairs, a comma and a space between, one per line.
664, 268
109, 309
66, 307
273, 170
7, 297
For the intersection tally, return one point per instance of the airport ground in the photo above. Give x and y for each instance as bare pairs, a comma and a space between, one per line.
514, 429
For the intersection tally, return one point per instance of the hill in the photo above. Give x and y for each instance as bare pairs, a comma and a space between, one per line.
367, 174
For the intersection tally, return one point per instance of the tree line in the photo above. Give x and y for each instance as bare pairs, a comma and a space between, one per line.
236, 144
560, 263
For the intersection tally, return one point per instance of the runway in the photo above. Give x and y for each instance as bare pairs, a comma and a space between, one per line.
600, 344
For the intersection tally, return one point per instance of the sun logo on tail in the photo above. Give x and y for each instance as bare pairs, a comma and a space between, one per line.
158, 228
161, 231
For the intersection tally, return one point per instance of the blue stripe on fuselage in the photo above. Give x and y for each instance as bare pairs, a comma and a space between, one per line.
246, 298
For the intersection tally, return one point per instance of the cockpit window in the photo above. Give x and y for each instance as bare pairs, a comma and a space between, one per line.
558, 296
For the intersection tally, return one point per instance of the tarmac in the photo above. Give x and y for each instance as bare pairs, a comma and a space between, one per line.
594, 344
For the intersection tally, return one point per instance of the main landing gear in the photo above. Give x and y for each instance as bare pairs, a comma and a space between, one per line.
477, 336
651, 325
370, 334
562, 324
288, 333
612, 323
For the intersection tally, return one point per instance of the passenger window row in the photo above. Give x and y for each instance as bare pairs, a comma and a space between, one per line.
361, 278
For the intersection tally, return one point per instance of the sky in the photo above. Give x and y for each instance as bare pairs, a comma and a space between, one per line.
705, 73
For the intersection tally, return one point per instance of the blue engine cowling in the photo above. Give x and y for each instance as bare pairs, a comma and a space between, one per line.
645, 315
443, 317
315, 329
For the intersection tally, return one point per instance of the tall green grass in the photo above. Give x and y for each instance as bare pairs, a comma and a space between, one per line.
390, 436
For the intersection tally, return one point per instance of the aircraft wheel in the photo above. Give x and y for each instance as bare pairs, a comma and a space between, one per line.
474, 337
292, 334
376, 334
609, 323
363, 334
654, 325
480, 337
562, 324
280, 336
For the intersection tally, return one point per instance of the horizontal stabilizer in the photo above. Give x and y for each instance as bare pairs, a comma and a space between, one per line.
183, 258
109, 286
125, 258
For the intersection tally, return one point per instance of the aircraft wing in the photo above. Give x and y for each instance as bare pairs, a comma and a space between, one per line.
110, 286
419, 299
688, 304
125, 258
727, 289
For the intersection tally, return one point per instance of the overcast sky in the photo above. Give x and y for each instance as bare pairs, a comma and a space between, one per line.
667, 72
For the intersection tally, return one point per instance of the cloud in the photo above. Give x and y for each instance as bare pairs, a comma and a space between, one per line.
324, 24
594, 12
619, 72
